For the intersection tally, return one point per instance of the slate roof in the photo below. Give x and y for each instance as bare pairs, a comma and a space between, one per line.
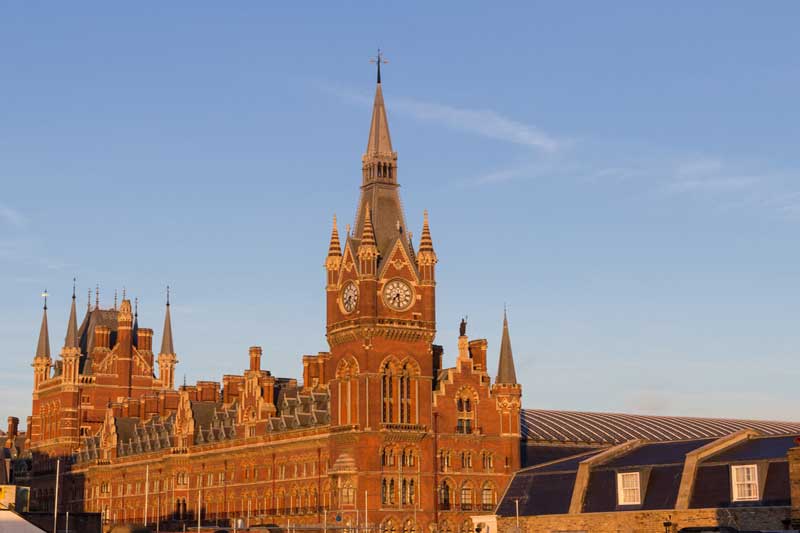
547, 488
613, 428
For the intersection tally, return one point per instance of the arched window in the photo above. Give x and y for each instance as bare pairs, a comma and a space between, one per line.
388, 527
409, 526
348, 494
445, 495
387, 387
488, 460
445, 527
405, 395
466, 526
444, 460
465, 413
466, 460
466, 497
384, 492
487, 497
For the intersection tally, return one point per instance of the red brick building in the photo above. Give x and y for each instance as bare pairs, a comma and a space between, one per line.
376, 432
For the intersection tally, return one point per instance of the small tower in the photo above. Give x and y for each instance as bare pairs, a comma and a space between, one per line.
506, 389
166, 357
42, 361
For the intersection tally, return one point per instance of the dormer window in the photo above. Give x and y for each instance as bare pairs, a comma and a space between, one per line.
629, 488
744, 481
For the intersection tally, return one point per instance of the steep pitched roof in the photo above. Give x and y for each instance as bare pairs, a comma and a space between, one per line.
43, 346
379, 142
71, 338
506, 374
166, 340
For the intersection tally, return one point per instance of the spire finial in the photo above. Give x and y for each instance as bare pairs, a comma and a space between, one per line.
115, 299
44, 295
123, 292
73, 287
378, 59
136, 307
97, 296
89, 300
167, 295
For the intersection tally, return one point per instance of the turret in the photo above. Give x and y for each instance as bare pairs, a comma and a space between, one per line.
506, 389
71, 353
42, 361
166, 357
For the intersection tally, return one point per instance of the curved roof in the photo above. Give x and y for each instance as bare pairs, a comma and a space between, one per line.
540, 425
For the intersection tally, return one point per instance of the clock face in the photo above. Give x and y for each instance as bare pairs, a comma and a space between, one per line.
398, 295
350, 297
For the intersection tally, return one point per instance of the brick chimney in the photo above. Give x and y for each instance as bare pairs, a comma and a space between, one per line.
13, 431
255, 358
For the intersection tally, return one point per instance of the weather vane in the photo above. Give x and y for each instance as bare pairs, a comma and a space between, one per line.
378, 59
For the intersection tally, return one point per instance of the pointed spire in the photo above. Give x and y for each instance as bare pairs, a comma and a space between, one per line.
506, 374
368, 234
71, 339
335, 248
43, 347
135, 333
425, 242
380, 142
166, 339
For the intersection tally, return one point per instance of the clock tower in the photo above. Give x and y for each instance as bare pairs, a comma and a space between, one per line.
381, 324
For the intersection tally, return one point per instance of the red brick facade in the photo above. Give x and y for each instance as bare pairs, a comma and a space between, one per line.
377, 431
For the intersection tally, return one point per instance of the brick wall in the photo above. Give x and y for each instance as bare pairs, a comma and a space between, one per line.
649, 521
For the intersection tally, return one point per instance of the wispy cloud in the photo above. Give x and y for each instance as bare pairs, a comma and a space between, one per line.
12, 217
482, 122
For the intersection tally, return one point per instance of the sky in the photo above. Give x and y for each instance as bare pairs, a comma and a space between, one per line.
623, 176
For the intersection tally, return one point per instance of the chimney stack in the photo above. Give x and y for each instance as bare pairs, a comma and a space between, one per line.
255, 357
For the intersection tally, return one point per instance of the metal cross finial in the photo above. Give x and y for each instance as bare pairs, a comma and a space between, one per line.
44, 295
378, 59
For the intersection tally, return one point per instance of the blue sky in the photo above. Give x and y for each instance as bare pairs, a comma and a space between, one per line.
624, 176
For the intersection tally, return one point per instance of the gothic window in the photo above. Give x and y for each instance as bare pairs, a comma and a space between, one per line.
445, 527
465, 413
445, 495
387, 388
409, 526
389, 527
488, 460
349, 494
466, 497
487, 497
347, 374
444, 460
387, 457
408, 458
466, 460
405, 395
466, 526
384, 491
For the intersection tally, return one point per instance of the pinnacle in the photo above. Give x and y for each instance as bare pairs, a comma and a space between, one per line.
426, 243
368, 234
335, 248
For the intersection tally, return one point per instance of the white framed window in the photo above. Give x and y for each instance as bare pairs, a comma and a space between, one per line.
628, 488
744, 481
